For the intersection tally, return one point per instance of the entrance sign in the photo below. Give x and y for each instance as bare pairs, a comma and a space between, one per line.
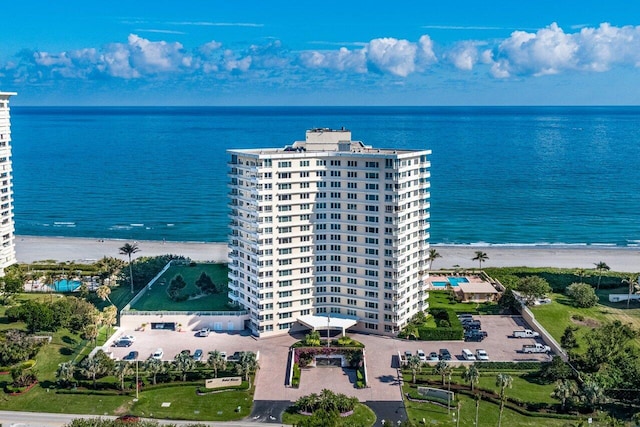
223, 382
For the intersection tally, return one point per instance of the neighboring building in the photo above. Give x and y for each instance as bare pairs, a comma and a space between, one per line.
329, 227
7, 230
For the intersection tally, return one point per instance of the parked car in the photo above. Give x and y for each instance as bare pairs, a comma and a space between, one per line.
433, 357
536, 348
223, 354
133, 355
474, 324
122, 343
475, 335
444, 354
525, 333
197, 355
128, 337
481, 355
128, 418
235, 357
407, 355
204, 332
421, 355
467, 354
158, 354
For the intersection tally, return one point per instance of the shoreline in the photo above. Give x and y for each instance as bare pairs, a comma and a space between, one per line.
61, 249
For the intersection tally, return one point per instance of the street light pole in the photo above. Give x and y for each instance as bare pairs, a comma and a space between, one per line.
137, 382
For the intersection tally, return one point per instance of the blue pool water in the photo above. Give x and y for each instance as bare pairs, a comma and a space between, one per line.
453, 281
66, 286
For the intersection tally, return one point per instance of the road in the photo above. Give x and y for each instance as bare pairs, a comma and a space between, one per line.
38, 419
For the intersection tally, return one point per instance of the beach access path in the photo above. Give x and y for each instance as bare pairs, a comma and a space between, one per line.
87, 250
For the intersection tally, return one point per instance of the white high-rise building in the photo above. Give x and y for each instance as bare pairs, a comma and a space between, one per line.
7, 230
329, 230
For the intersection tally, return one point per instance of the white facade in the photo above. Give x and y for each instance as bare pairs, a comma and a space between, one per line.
7, 230
329, 226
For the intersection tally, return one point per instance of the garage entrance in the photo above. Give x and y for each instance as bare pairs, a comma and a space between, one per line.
170, 326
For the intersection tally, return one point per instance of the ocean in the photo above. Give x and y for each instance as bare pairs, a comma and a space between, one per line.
499, 175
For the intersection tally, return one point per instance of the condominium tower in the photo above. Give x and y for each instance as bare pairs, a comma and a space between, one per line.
7, 238
329, 228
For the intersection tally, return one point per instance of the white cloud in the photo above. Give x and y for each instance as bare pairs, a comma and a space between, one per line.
340, 60
551, 50
464, 56
394, 56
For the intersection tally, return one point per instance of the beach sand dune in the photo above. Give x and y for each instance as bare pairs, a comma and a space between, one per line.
60, 249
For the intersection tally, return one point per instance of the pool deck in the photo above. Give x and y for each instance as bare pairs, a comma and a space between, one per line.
435, 278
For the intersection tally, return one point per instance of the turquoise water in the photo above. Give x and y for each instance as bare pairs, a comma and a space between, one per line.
66, 286
522, 175
453, 281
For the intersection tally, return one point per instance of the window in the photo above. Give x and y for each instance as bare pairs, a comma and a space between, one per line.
284, 164
372, 164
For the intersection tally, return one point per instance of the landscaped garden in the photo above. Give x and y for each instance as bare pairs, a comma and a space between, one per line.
328, 409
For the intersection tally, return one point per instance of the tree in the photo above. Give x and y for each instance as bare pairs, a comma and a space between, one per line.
533, 287
433, 255
607, 343
471, 375
582, 295
10, 285
415, 364
217, 362
564, 391
247, 365
592, 394
154, 367
184, 363
508, 302
103, 293
122, 370
632, 283
443, 369
65, 373
503, 381
480, 257
130, 249
110, 316
91, 368
411, 331
568, 339
600, 267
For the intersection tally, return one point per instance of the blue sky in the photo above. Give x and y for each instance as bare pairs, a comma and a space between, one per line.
235, 52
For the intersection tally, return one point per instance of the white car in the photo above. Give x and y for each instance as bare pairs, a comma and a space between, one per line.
481, 355
421, 355
157, 354
128, 338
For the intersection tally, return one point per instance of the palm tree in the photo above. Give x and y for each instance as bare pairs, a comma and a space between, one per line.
433, 255
443, 369
184, 363
91, 368
415, 364
109, 316
601, 266
411, 331
122, 370
247, 364
103, 293
471, 375
65, 372
592, 394
632, 282
477, 397
154, 367
503, 381
563, 391
130, 249
480, 257
216, 361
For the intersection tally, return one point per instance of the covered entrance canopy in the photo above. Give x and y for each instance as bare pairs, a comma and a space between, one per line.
323, 323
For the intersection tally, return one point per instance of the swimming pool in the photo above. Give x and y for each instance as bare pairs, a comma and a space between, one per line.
66, 286
453, 281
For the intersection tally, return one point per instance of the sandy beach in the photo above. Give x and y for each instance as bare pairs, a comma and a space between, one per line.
34, 248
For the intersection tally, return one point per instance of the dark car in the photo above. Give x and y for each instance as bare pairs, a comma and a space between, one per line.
197, 355
475, 335
128, 418
123, 343
133, 355
444, 354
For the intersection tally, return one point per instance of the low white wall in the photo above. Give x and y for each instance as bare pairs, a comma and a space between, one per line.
623, 297
189, 322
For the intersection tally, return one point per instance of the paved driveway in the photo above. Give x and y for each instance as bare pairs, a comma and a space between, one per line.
381, 357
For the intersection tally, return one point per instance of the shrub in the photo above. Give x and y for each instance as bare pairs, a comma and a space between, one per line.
583, 295
295, 381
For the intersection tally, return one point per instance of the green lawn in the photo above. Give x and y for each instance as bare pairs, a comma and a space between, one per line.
156, 298
555, 317
488, 414
186, 404
441, 299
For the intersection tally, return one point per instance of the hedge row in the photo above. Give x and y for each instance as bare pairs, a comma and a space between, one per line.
452, 333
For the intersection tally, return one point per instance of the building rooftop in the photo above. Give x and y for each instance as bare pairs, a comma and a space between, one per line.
326, 140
